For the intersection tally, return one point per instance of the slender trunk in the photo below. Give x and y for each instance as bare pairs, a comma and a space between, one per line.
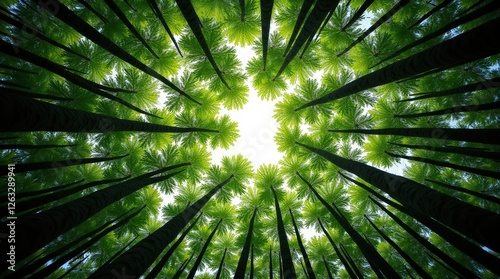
379, 22
71, 19
242, 262
192, 19
196, 264
467, 191
73, 267
120, 251
53, 266
409, 260
243, 12
21, 195
139, 257
161, 264
479, 2
270, 262
374, 259
304, 9
251, 263
474, 222
330, 276
358, 14
5, 83
337, 251
40, 201
181, 269
455, 150
482, 172
12, 68
429, 246
466, 47
486, 136
158, 13
492, 6
58, 69
90, 8
351, 261
466, 108
27, 167
266, 11
112, 5
308, 266
44, 116
286, 255
311, 25
456, 274
316, 36
58, 220
431, 12
221, 265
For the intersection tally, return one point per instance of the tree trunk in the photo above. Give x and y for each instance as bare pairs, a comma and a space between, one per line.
466, 47
409, 260
139, 257
304, 9
358, 13
157, 12
12, 68
120, 251
308, 266
455, 150
271, 262
71, 19
286, 256
330, 276
486, 136
21, 195
44, 116
467, 108
242, 262
221, 264
467, 191
242, 8
474, 222
266, 11
179, 271
431, 12
90, 8
482, 172
251, 263
351, 261
196, 264
379, 22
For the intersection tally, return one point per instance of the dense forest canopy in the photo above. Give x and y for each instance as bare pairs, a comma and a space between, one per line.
110, 106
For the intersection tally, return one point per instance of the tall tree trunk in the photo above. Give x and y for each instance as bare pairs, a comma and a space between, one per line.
243, 12
251, 263
192, 19
482, 85
221, 265
44, 116
311, 25
467, 191
27, 167
351, 261
374, 258
90, 8
431, 12
329, 272
478, 2
12, 68
266, 12
139, 257
308, 266
53, 266
71, 19
120, 251
54, 222
358, 14
21, 195
492, 155
466, 47
181, 269
456, 109
490, 7
286, 255
114, 7
158, 13
486, 136
482, 172
161, 264
242, 262
73, 267
271, 262
429, 246
304, 9
196, 264
379, 22
401, 252
474, 222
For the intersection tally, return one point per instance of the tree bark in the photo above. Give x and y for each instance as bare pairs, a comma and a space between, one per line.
196, 264
242, 262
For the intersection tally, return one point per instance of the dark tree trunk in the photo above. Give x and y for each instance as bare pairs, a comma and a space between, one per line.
44, 116
21, 195
308, 267
112, 5
90, 8
351, 261
482, 172
221, 265
379, 22
467, 191
73, 267
251, 263
286, 255
266, 11
139, 257
242, 262
243, 12
409, 260
12, 68
358, 13
431, 12
192, 19
330, 276
304, 9
466, 47
181, 269
474, 222
455, 150
479, 2
457, 109
27, 167
429, 246
157, 12
161, 264
486, 136
120, 251
196, 264
270, 262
